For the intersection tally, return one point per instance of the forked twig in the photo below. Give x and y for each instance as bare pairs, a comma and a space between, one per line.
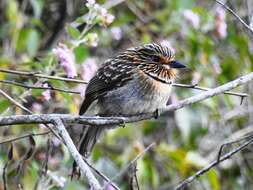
212, 164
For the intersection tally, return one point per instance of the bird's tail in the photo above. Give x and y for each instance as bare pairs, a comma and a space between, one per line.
87, 143
89, 140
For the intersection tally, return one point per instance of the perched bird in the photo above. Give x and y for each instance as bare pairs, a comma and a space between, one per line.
135, 81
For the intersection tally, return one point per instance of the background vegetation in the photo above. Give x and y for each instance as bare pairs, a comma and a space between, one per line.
72, 38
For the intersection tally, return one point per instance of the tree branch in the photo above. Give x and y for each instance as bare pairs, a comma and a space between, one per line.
242, 95
212, 164
37, 74
14, 101
85, 170
210, 93
85, 82
37, 87
236, 15
24, 136
23, 108
48, 118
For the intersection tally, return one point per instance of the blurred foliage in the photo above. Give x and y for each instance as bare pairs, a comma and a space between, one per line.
213, 44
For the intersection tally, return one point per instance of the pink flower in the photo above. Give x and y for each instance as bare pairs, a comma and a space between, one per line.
46, 94
116, 33
220, 23
88, 70
66, 59
36, 107
109, 187
196, 78
109, 19
106, 17
92, 39
216, 65
192, 17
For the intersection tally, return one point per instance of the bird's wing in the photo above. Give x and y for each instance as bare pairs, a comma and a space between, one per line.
113, 74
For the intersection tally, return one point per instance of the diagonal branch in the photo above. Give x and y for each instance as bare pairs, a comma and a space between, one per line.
242, 95
212, 164
236, 15
60, 128
14, 101
210, 93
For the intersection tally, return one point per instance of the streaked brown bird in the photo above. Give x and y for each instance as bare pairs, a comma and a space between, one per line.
136, 81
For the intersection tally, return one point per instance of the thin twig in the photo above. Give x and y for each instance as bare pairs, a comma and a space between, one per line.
85, 82
125, 169
236, 15
210, 93
232, 142
5, 175
8, 120
60, 128
23, 108
37, 87
14, 101
46, 118
102, 175
24, 136
212, 164
206, 89
37, 74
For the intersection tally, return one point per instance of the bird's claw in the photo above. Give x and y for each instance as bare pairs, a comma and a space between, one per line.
157, 113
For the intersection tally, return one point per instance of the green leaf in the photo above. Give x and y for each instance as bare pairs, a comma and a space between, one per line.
32, 42
80, 53
12, 11
4, 104
22, 39
213, 180
74, 33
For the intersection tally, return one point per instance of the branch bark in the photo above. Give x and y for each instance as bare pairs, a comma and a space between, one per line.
48, 118
212, 164
85, 170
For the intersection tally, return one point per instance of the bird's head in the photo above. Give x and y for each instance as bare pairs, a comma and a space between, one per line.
158, 62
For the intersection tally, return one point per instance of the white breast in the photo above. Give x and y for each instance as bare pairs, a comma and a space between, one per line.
140, 95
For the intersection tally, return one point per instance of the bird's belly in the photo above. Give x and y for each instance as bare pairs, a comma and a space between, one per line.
135, 98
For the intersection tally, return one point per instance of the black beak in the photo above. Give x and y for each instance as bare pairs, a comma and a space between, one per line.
177, 65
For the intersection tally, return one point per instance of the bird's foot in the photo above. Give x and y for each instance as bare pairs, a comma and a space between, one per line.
157, 113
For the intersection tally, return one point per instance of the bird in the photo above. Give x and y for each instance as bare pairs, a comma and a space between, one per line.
136, 81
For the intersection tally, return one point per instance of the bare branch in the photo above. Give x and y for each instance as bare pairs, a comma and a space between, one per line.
37, 87
102, 175
24, 136
37, 74
23, 108
140, 155
236, 15
242, 95
212, 164
14, 101
210, 93
60, 128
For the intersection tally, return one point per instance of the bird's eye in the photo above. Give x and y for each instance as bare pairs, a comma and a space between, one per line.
155, 58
